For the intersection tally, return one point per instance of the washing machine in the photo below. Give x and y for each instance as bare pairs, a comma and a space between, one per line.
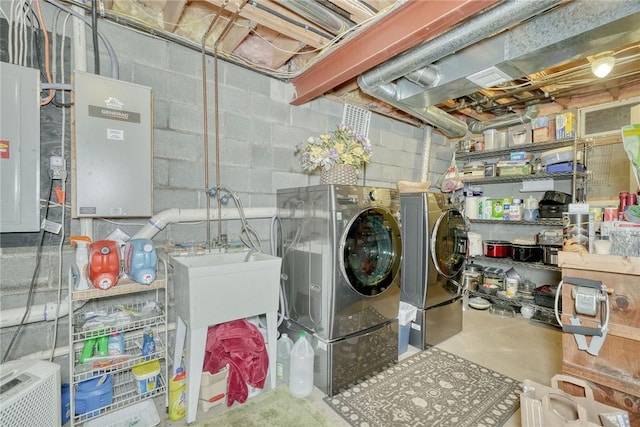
434, 240
341, 254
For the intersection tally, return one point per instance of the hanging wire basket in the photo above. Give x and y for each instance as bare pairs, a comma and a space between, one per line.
339, 174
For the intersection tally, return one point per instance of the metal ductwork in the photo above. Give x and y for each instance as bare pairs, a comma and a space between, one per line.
480, 47
529, 114
318, 14
483, 26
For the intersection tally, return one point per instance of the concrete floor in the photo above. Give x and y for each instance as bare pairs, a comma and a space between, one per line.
515, 347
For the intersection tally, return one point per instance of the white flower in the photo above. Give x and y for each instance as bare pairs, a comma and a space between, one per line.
342, 146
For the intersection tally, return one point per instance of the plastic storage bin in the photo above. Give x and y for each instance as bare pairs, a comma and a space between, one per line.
147, 376
65, 403
213, 389
559, 155
142, 414
495, 139
93, 394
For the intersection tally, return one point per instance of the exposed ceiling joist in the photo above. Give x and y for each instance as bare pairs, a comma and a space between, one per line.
413, 21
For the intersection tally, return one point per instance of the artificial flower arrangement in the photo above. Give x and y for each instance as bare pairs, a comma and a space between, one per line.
342, 146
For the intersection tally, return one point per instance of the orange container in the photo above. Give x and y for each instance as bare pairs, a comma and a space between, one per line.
104, 263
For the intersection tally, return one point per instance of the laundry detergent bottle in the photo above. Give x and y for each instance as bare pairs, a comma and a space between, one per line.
104, 263
140, 260
301, 373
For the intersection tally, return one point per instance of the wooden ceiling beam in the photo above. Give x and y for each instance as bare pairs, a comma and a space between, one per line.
276, 23
411, 24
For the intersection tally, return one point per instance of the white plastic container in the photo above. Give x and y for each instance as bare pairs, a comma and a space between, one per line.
283, 359
301, 371
559, 155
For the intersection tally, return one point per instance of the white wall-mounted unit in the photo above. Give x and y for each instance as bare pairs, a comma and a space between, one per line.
112, 148
605, 120
19, 149
30, 393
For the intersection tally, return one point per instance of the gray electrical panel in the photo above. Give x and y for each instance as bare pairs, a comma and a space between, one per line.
112, 148
19, 149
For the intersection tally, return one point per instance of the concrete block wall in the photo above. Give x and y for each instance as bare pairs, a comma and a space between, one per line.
258, 132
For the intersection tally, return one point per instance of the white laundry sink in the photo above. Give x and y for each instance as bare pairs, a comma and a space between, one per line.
218, 287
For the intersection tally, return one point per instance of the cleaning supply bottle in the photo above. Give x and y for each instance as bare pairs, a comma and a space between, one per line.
148, 344
140, 260
283, 359
82, 260
301, 373
104, 263
177, 395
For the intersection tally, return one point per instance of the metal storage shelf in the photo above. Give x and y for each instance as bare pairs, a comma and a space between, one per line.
125, 393
544, 222
141, 316
516, 302
519, 178
536, 265
530, 148
124, 286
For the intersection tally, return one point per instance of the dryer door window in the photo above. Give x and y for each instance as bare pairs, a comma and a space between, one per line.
370, 251
449, 243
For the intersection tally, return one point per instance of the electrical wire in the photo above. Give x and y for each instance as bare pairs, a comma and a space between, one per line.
32, 286
47, 64
112, 54
94, 35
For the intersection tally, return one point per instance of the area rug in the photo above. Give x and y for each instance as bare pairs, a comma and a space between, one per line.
430, 388
273, 408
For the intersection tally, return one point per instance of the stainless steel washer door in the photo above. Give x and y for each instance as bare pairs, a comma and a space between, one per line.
370, 251
449, 243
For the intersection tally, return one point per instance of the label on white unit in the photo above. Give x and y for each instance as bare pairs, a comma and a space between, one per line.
115, 134
322, 345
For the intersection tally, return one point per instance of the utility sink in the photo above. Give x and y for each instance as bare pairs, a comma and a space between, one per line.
218, 287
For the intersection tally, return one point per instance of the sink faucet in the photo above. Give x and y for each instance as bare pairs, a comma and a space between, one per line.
251, 252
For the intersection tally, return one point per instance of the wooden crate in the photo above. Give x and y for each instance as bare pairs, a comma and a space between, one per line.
614, 374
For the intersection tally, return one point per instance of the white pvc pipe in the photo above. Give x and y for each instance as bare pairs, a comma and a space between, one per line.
38, 313
160, 220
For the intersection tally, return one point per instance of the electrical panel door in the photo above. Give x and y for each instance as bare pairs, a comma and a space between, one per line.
112, 148
19, 149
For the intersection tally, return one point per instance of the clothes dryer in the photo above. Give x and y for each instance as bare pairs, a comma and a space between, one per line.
341, 255
434, 240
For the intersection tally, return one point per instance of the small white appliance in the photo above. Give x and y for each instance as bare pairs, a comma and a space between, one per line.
30, 393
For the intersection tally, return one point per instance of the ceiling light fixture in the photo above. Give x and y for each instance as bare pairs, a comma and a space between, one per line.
602, 64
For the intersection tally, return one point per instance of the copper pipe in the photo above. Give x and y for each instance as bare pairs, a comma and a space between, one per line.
216, 108
206, 122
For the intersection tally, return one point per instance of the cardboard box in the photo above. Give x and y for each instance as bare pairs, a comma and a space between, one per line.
520, 155
565, 125
544, 129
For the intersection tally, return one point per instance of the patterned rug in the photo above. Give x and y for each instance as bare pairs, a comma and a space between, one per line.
430, 388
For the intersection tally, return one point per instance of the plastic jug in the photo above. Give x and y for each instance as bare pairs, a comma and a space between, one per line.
104, 263
177, 395
301, 371
283, 359
140, 260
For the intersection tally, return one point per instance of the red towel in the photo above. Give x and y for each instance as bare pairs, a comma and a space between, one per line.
240, 345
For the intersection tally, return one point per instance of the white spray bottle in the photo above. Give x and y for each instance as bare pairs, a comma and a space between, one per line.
82, 260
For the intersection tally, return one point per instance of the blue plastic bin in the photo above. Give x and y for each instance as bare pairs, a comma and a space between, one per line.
90, 396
